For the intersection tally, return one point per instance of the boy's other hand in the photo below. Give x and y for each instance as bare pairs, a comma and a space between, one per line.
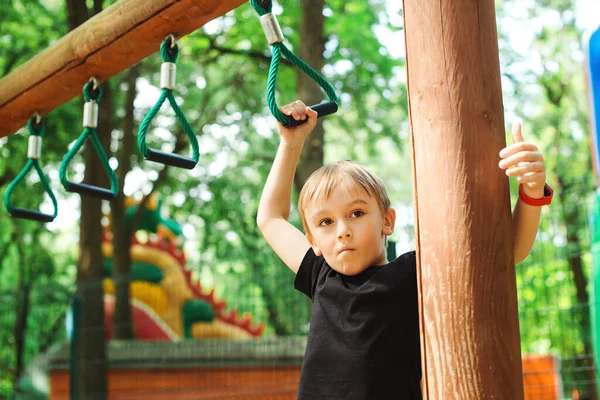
527, 162
299, 111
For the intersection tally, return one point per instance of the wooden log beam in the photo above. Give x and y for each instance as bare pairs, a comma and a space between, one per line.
468, 303
110, 42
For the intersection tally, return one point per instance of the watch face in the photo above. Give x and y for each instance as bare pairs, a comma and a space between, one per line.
547, 191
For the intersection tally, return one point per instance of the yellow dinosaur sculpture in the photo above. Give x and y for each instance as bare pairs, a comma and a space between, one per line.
166, 303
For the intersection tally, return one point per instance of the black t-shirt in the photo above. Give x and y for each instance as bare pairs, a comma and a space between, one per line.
363, 342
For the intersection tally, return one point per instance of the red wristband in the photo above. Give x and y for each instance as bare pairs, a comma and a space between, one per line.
547, 199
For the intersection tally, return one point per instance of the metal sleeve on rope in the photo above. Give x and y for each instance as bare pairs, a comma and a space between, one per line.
34, 147
168, 71
90, 114
271, 28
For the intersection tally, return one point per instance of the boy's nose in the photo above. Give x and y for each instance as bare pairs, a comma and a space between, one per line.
344, 231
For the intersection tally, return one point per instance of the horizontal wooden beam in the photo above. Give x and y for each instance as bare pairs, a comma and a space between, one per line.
110, 42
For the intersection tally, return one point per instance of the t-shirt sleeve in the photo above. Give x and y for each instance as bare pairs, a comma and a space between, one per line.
412, 261
412, 257
306, 277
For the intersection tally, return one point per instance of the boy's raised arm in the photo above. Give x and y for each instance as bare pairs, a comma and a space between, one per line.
529, 168
274, 209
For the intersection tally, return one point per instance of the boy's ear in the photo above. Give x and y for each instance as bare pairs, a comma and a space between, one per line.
389, 222
314, 246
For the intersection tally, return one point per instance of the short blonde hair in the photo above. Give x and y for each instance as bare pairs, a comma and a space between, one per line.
321, 183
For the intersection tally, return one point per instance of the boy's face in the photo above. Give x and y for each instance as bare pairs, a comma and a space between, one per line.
349, 230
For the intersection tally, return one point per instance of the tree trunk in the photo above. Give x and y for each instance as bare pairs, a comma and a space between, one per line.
20, 328
465, 265
90, 270
570, 215
92, 352
122, 322
92, 381
77, 13
22, 306
312, 46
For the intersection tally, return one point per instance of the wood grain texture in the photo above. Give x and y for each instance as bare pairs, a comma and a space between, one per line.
468, 302
120, 36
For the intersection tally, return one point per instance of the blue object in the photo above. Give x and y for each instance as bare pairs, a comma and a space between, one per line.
591, 47
592, 54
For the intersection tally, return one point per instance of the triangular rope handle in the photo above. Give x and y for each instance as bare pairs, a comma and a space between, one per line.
275, 39
168, 52
36, 129
92, 94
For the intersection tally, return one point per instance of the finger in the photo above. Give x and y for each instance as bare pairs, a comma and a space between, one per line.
298, 107
528, 168
517, 135
311, 113
287, 110
312, 118
299, 110
534, 181
294, 110
299, 104
517, 147
520, 157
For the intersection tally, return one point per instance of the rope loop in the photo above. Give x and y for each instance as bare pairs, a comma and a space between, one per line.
168, 51
262, 7
36, 129
91, 92
278, 50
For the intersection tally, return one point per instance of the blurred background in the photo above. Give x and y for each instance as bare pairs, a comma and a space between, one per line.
213, 311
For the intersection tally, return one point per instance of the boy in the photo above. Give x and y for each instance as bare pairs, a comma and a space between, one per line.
363, 341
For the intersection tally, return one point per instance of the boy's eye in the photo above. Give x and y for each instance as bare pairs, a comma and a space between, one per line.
325, 222
357, 213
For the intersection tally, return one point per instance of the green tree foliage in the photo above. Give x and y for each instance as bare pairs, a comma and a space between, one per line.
545, 87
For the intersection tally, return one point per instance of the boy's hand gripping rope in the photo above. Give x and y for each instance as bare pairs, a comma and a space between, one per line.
34, 150
92, 94
168, 52
275, 39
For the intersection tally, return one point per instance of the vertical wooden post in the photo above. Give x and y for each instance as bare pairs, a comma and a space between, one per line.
469, 322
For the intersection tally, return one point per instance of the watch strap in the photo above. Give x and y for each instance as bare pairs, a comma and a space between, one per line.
547, 199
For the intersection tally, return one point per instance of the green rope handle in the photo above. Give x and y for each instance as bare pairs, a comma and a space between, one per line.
89, 93
35, 129
169, 53
263, 7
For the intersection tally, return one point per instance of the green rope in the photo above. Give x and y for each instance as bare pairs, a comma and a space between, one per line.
89, 94
31, 163
169, 54
279, 49
260, 9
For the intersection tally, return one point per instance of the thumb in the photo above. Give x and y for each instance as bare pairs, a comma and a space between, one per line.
312, 117
311, 113
517, 136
